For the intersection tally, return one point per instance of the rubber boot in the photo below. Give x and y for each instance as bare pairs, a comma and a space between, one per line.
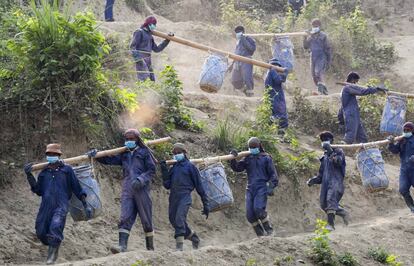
52, 255
409, 201
179, 243
258, 229
331, 222
123, 243
268, 227
195, 241
149, 242
344, 214
322, 88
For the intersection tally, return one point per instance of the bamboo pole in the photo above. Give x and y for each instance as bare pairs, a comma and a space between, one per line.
408, 95
365, 145
283, 34
82, 158
210, 160
211, 49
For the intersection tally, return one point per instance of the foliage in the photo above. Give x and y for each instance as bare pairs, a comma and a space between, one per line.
321, 253
141, 263
232, 17
173, 112
383, 256
251, 262
286, 260
160, 150
347, 259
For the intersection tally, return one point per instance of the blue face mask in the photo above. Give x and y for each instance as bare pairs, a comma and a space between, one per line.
52, 159
130, 144
152, 27
254, 151
179, 157
407, 134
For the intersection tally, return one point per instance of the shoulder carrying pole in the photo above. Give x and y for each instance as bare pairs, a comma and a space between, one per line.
283, 34
216, 159
365, 145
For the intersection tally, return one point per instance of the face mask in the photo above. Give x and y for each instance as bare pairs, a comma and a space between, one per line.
52, 159
130, 144
179, 157
254, 151
315, 30
407, 134
152, 27
325, 142
239, 35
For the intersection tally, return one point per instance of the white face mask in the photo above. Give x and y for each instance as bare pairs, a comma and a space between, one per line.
325, 142
239, 35
315, 30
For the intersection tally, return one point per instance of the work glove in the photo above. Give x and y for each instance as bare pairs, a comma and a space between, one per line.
137, 184
390, 139
205, 211
171, 34
28, 169
383, 90
310, 182
92, 153
412, 158
327, 147
270, 189
234, 152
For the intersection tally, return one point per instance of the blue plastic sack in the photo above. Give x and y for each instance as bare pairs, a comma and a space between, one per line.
282, 49
372, 169
213, 73
214, 182
84, 174
393, 116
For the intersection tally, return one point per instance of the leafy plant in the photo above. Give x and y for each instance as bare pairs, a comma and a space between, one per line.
321, 253
383, 256
347, 259
284, 261
141, 263
251, 262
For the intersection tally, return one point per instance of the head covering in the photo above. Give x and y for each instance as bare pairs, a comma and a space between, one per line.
409, 125
253, 140
316, 22
239, 29
54, 148
149, 20
275, 62
133, 131
326, 135
179, 145
352, 76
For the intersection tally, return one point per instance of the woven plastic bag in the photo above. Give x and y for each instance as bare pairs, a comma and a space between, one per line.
372, 169
393, 116
214, 182
84, 174
282, 49
213, 73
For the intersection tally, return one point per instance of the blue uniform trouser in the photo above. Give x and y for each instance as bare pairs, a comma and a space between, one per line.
144, 69
256, 201
318, 66
140, 204
109, 9
50, 225
354, 130
406, 180
279, 110
242, 75
179, 205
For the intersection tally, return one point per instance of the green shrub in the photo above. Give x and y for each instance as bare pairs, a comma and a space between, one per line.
383, 256
347, 259
321, 253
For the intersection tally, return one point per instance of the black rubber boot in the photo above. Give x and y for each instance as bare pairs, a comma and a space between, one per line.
409, 201
149, 242
123, 243
179, 243
268, 227
258, 229
331, 222
195, 241
344, 215
52, 255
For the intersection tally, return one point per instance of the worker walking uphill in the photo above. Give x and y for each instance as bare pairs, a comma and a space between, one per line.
181, 180
274, 82
331, 177
55, 184
138, 169
296, 6
109, 13
318, 44
262, 179
242, 76
142, 45
349, 112
405, 147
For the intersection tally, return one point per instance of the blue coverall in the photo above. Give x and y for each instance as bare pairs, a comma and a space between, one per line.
331, 177
274, 80
242, 74
405, 148
354, 130
181, 180
141, 46
55, 186
320, 54
135, 164
260, 170
109, 9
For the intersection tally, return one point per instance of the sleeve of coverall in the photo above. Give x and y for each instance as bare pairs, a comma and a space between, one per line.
75, 185
36, 185
150, 169
328, 49
166, 176
306, 42
355, 90
248, 43
318, 179
195, 174
158, 48
136, 38
394, 147
272, 172
278, 78
238, 166
338, 158
110, 160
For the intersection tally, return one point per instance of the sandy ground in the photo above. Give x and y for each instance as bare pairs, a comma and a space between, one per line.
378, 219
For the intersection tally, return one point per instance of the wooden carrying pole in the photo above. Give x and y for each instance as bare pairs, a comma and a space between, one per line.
83, 158
214, 159
285, 34
211, 49
408, 95
365, 145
